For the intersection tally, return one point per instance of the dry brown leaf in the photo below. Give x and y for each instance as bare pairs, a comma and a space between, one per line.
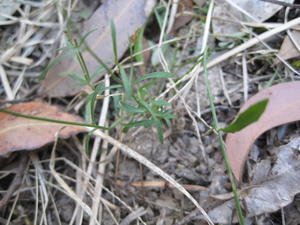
288, 50
283, 107
274, 192
17, 133
128, 16
183, 19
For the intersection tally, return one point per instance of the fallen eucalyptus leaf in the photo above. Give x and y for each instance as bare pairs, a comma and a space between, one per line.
283, 107
128, 16
17, 133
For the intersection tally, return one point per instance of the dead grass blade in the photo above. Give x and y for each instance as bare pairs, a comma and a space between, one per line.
141, 159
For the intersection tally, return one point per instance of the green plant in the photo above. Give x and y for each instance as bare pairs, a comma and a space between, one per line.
137, 105
249, 116
221, 141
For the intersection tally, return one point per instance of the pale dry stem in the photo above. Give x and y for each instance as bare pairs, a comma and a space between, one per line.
141, 159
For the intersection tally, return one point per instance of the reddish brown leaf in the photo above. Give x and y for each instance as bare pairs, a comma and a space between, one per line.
128, 16
183, 7
283, 107
17, 133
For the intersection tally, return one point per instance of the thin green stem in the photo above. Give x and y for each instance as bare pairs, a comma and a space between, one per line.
222, 144
80, 59
63, 121
82, 62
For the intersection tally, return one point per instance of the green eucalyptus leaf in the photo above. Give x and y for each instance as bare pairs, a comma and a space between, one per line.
249, 116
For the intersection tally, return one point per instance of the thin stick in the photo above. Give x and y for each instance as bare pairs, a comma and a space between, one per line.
5, 83
64, 185
95, 150
172, 15
17, 181
160, 184
226, 94
245, 77
135, 155
237, 50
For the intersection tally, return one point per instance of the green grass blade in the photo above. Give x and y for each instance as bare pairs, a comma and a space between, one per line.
129, 108
159, 131
55, 121
140, 123
155, 75
114, 40
138, 46
222, 144
54, 62
84, 37
126, 83
160, 103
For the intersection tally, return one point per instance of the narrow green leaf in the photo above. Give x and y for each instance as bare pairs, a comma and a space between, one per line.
138, 45
249, 116
54, 62
84, 37
155, 75
145, 123
160, 102
126, 83
129, 108
159, 131
91, 103
114, 40
168, 122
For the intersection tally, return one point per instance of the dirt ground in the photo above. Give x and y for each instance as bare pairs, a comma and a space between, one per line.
66, 182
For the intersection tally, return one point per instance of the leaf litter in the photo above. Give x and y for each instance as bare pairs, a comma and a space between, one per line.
127, 16
281, 101
179, 156
19, 133
275, 189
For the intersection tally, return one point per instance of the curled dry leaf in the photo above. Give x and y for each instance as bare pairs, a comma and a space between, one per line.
278, 188
17, 133
283, 107
288, 50
128, 16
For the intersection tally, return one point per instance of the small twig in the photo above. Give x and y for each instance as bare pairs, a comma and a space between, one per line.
160, 184
135, 155
133, 216
230, 53
172, 16
17, 181
296, 6
245, 77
